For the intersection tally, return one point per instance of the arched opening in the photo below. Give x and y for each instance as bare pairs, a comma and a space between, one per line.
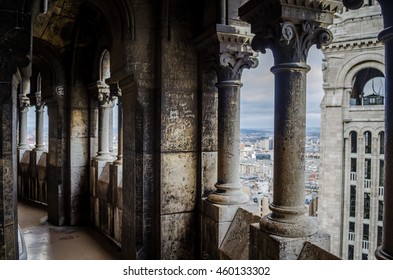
368, 88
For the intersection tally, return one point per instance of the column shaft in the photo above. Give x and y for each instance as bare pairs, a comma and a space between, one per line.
228, 181
289, 137
40, 145
23, 128
103, 139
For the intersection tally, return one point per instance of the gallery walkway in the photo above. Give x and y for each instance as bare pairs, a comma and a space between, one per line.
47, 242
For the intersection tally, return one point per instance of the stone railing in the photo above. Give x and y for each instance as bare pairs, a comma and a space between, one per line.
32, 179
106, 198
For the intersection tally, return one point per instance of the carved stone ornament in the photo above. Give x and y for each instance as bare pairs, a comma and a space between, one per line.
230, 65
104, 96
60, 91
24, 102
291, 42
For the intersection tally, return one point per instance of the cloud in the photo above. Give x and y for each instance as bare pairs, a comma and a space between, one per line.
257, 93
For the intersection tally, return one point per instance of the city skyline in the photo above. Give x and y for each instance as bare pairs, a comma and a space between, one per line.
257, 93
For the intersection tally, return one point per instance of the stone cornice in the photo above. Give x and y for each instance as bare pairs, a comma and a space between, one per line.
345, 45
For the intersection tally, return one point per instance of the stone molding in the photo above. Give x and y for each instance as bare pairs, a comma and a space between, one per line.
343, 46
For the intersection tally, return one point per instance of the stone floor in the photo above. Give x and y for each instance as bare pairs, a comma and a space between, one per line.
47, 242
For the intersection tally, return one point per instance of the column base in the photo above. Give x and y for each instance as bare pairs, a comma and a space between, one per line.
104, 157
228, 194
380, 254
216, 220
289, 225
266, 246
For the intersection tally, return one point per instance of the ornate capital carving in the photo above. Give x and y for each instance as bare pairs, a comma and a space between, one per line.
103, 94
289, 28
230, 65
24, 103
291, 42
228, 51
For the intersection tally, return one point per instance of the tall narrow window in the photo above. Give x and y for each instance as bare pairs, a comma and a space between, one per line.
379, 240
366, 206
353, 164
354, 142
350, 252
367, 168
352, 204
380, 210
367, 142
382, 143
381, 173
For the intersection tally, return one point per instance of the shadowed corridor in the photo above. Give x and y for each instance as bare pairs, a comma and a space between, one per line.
47, 242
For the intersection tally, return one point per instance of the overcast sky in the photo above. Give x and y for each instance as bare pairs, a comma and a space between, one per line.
257, 93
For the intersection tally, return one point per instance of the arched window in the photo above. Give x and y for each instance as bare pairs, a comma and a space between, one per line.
105, 66
354, 142
367, 142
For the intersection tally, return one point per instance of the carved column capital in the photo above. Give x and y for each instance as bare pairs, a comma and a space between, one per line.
102, 92
289, 28
228, 51
230, 65
24, 102
290, 42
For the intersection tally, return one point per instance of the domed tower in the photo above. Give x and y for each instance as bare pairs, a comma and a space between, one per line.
352, 133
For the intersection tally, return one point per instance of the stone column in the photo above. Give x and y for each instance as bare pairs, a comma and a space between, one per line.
105, 105
24, 103
289, 30
228, 54
385, 251
228, 174
39, 145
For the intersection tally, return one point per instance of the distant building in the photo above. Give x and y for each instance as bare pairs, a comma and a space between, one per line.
352, 134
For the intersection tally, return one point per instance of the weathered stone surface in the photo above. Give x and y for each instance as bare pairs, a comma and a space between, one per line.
265, 246
178, 236
79, 152
312, 252
79, 125
209, 121
103, 185
178, 182
78, 179
216, 219
209, 172
179, 125
235, 245
212, 235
